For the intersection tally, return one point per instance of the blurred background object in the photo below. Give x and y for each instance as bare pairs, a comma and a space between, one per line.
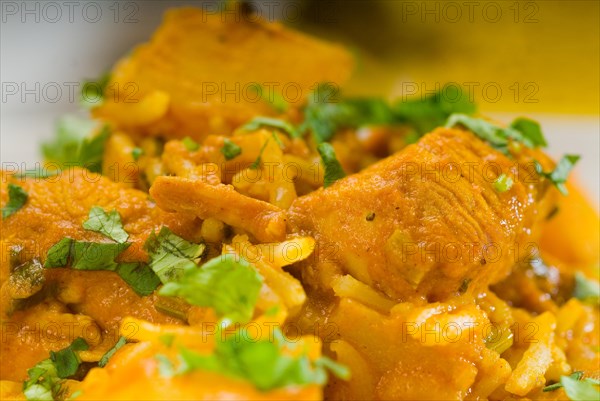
540, 58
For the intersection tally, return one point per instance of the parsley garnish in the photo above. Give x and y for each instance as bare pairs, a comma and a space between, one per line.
266, 364
138, 276
228, 285
230, 149
104, 360
586, 289
170, 255
531, 131
190, 144
84, 255
259, 122
46, 377
324, 115
333, 168
16, 199
503, 183
136, 153
496, 136
74, 144
109, 224
558, 177
429, 112
577, 388
92, 91
256, 163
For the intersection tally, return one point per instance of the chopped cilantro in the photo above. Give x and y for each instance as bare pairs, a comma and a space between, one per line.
259, 122
531, 131
576, 388
575, 375
227, 285
503, 183
45, 378
521, 130
83, 255
496, 136
256, 163
136, 153
170, 255
230, 149
429, 112
66, 360
266, 364
16, 199
190, 144
75, 144
140, 277
324, 116
559, 176
333, 168
586, 289
108, 224
92, 91
104, 360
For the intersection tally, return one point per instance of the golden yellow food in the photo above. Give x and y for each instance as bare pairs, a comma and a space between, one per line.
305, 250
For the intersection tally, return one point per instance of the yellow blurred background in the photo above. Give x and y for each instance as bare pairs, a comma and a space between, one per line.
512, 56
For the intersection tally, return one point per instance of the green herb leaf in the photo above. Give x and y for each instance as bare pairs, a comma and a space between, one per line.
325, 115
580, 390
586, 289
227, 285
263, 363
561, 172
190, 144
136, 153
230, 149
66, 360
503, 183
104, 360
82, 255
92, 91
531, 130
274, 99
256, 163
259, 122
497, 137
139, 276
109, 224
170, 255
429, 112
333, 168
45, 378
74, 144
16, 199
43, 383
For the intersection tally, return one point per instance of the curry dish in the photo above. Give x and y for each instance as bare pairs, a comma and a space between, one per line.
229, 226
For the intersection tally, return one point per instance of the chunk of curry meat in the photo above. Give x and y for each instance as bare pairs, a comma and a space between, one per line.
427, 222
71, 300
199, 73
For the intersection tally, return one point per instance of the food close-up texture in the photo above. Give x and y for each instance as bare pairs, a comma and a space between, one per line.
188, 243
